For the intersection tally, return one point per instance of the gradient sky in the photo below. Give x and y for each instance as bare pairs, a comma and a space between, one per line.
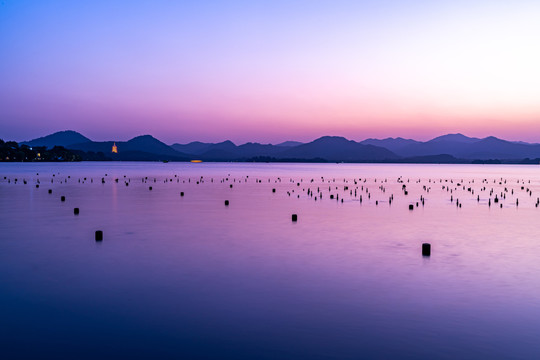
270, 71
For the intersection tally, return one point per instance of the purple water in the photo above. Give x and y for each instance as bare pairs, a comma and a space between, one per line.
190, 278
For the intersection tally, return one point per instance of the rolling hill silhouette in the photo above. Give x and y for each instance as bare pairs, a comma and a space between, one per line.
144, 147
450, 148
60, 138
335, 148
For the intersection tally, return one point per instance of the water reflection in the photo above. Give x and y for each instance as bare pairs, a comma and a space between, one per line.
187, 277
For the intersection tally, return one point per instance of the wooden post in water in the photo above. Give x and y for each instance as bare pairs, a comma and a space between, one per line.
426, 249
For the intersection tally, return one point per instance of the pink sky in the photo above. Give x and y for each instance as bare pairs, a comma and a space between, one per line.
270, 73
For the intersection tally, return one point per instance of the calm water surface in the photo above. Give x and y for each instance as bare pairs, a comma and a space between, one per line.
190, 278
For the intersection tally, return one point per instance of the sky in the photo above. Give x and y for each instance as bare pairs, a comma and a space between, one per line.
270, 71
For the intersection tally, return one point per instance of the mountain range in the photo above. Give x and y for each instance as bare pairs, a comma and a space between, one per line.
451, 148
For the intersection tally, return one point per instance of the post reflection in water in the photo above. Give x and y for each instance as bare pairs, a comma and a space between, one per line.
187, 277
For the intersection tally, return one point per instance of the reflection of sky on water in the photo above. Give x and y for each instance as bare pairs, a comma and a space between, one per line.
188, 277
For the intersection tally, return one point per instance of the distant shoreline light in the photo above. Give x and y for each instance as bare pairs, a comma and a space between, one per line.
196, 161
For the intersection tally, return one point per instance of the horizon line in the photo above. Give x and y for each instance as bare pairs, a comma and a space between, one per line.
280, 142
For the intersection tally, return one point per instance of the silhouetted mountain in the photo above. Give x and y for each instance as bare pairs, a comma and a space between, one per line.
451, 148
226, 145
451, 144
445, 144
335, 148
95, 146
523, 143
464, 147
150, 144
60, 138
494, 148
223, 151
430, 148
459, 138
227, 150
457, 146
392, 144
256, 149
141, 144
328, 148
290, 143
195, 147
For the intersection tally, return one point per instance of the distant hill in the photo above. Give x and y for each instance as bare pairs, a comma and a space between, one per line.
255, 149
494, 148
458, 138
290, 143
60, 138
392, 144
450, 148
198, 148
195, 147
335, 148
451, 144
150, 144
327, 148
141, 144
464, 147
228, 151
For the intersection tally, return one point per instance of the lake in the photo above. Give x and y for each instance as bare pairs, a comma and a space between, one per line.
188, 277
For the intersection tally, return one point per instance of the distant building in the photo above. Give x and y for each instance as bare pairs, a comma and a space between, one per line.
114, 148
